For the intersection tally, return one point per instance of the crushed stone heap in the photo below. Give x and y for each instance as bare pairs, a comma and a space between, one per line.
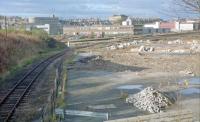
150, 100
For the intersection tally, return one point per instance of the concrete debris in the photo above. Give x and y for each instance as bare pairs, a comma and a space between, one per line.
186, 73
178, 41
141, 49
109, 106
120, 46
146, 49
134, 50
195, 47
150, 100
90, 58
112, 47
179, 51
148, 41
135, 42
140, 41
124, 45
195, 42
166, 51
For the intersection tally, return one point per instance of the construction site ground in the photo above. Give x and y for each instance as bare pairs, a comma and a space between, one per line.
101, 83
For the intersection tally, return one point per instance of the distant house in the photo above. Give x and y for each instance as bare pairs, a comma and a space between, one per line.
155, 30
188, 26
127, 22
177, 26
157, 27
174, 26
12, 22
137, 20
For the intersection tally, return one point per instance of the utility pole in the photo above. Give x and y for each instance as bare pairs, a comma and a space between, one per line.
6, 26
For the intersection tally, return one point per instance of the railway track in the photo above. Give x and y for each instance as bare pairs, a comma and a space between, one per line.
12, 99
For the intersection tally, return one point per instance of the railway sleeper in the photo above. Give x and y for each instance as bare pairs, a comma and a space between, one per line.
26, 83
22, 87
12, 100
19, 90
24, 101
6, 108
14, 96
3, 113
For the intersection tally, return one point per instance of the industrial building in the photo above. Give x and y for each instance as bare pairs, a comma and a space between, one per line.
49, 24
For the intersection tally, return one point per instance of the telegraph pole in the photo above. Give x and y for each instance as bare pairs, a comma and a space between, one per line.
6, 26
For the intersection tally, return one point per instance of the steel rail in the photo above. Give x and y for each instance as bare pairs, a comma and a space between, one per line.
15, 105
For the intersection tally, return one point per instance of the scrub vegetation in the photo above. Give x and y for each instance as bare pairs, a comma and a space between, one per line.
20, 48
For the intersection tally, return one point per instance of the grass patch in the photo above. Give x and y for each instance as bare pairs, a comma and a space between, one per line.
123, 95
61, 102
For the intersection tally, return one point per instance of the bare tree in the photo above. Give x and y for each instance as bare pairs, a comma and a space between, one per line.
188, 6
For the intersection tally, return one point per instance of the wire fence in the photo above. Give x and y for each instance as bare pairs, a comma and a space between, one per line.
48, 110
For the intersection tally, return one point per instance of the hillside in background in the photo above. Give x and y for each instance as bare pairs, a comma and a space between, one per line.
20, 47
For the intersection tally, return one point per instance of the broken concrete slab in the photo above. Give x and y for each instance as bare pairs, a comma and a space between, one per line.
99, 107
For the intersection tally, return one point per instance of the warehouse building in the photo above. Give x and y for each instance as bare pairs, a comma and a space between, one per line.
100, 30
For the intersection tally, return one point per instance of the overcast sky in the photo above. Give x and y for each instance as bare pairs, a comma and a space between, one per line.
86, 8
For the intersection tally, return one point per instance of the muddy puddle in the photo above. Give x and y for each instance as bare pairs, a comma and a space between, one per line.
190, 91
191, 81
130, 89
194, 89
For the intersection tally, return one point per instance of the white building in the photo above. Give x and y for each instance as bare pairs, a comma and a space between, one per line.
154, 25
45, 27
127, 22
187, 26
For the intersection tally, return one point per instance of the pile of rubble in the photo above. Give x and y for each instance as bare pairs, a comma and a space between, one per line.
146, 49
125, 44
178, 41
186, 73
195, 46
150, 100
90, 58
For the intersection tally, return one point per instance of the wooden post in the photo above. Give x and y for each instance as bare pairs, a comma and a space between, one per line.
43, 114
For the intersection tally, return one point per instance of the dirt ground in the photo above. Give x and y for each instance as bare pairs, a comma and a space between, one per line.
106, 79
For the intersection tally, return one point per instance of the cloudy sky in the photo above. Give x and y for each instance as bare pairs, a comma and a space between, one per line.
85, 8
